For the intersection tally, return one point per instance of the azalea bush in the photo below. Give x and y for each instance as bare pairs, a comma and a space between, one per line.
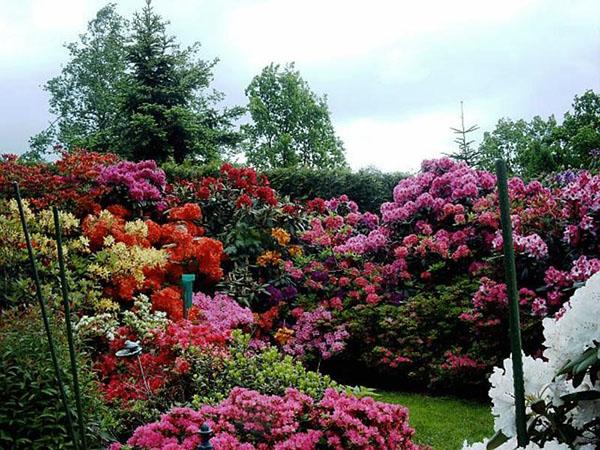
250, 420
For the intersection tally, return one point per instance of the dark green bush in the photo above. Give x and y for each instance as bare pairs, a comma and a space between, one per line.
367, 187
423, 329
31, 413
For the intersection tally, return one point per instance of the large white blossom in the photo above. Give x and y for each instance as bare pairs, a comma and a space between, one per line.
566, 339
569, 336
537, 378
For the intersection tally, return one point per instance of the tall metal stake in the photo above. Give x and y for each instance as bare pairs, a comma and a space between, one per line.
38, 291
65, 298
513, 303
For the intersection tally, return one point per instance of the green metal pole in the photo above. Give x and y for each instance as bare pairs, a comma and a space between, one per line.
513, 303
187, 281
38, 291
67, 308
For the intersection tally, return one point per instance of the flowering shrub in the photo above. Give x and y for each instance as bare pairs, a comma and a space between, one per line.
442, 225
140, 183
315, 333
562, 393
249, 420
70, 183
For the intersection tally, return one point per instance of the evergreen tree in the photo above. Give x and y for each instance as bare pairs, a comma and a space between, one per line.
465, 150
132, 90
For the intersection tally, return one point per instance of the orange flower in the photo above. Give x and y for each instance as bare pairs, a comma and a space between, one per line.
168, 300
281, 236
269, 257
283, 335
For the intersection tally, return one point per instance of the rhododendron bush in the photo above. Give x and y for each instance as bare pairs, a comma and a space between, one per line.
442, 226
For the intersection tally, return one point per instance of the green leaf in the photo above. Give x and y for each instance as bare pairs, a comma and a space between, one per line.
496, 440
581, 396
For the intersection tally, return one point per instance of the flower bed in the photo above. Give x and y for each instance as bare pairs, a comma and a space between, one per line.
412, 297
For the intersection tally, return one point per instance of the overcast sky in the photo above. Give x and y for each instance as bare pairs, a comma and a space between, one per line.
394, 71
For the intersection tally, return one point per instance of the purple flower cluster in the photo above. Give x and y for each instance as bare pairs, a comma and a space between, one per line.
315, 332
143, 181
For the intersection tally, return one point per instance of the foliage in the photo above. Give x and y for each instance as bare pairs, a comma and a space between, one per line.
417, 343
131, 90
543, 146
264, 370
290, 125
369, 188
465, 153
84, 97
31, 412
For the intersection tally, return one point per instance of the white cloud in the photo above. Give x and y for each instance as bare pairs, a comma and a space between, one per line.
400, 144
313, 31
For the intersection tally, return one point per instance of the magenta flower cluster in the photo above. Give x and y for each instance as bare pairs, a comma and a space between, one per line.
143, 181
248, 420
222, 312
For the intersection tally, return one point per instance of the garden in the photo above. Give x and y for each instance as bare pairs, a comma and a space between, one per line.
312, 324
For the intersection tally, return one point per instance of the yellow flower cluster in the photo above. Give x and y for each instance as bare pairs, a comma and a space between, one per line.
137, 228
281, 236
269, 258
295, 250
42, 233
106, 305
69, 223
116, 258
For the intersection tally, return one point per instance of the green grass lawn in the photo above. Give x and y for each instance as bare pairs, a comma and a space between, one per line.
443, 422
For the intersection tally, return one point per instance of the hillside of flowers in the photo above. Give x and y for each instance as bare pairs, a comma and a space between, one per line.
288, 296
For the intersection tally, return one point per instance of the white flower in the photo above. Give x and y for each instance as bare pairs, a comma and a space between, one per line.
569, 336
476, 445
537, 376
511, 444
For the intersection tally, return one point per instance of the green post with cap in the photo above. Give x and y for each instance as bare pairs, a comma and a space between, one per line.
187, 281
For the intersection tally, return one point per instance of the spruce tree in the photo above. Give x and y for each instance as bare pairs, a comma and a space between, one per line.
465, 152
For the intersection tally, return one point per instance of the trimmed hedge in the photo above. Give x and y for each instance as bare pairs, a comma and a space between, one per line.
367, 187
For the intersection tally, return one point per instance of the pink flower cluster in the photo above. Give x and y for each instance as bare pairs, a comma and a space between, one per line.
140, 182
222, 312
315, 333
532, 245
248, 420
440, 183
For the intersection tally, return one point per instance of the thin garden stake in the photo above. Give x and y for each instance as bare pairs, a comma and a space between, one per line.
65, 297
513, 303
38, 291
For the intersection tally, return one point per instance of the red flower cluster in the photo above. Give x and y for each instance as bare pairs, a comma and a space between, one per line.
163, 359
70, 182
